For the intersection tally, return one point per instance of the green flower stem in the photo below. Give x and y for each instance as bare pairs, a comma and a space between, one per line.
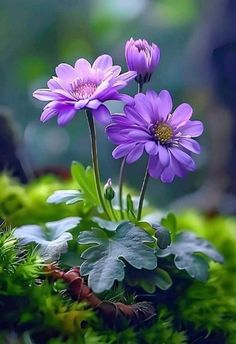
95, 160
112, 211
121, 181
142, 194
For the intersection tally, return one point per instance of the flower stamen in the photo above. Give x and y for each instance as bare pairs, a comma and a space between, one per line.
83, 90
162, 132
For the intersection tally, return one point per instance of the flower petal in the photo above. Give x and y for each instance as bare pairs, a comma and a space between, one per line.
82, 65
191, 145
154, 167
102, 115
103, 62
181, 114
151, 147
135, 153
165, 104
183, 158
144, 107
192, 128
163, 155
65, 116
122, 150
45, 95
47, 114
66, 72
167, 175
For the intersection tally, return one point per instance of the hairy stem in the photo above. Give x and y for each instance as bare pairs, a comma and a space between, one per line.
142, 194
121, 181
95, 160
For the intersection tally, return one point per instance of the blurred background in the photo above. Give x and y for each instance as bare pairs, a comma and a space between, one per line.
198, 65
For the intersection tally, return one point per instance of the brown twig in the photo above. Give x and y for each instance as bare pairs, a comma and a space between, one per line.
115, 314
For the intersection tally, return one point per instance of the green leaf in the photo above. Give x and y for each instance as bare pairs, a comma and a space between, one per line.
170, 222
86, 182
65, 196
105, 259
163, 236
149, 279
185, 249
51, 238
105, 224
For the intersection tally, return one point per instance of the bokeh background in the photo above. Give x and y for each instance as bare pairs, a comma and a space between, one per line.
198, 58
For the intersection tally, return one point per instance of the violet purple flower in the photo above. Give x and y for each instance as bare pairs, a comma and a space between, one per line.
150, 125
83, 87
142, 58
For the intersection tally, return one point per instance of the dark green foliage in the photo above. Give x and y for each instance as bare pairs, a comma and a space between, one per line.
103, 263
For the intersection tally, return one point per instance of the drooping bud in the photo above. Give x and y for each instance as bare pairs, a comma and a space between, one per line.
142, 58
109, 193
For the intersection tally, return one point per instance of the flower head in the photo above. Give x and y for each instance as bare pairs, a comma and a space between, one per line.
142, 58
83, 86
150, 125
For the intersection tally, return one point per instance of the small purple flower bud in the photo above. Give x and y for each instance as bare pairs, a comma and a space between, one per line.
142, 58
109, 193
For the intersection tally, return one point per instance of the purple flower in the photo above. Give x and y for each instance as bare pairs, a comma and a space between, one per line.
142, 58
83, 86
150, 125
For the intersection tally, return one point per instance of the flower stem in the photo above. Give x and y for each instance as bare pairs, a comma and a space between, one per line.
95, 160
142, 194
121, 180
140, 87
112, 211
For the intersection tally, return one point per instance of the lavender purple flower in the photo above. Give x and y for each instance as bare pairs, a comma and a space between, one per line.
150, 125
83, 87
142, 58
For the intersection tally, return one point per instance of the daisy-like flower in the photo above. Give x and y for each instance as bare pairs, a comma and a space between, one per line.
150, 126
83, 87
142, 58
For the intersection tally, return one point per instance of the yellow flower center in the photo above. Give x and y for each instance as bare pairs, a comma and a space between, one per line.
162, 132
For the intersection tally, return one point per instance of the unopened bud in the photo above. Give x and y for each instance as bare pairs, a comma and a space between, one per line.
109, 193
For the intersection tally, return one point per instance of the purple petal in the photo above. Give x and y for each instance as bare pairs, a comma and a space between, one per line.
167, 175
80, 104
165, 104
45, 95
183, 158
134, 116
135, 153
65, 116
126, 77
122, 150
156, 54
181, 114
138, 134
163, 155
83, 66
93, 104
48, 113
144, 107
53, 84
66, 72
191, 145
151, 147
124, 98
154, 101
103, 62
102, 115
179, 169
154, 167
113, 133
192, 128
